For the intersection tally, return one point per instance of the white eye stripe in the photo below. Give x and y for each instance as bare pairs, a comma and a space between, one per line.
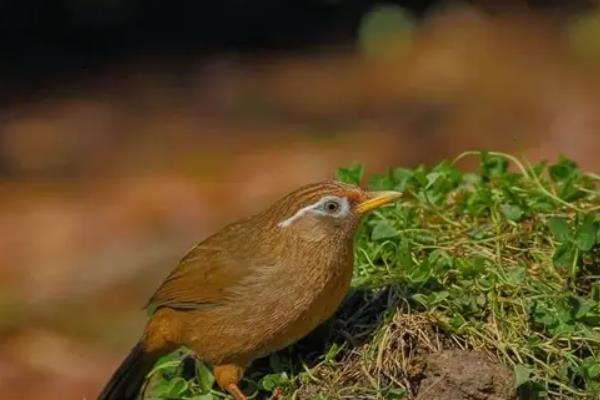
343, 210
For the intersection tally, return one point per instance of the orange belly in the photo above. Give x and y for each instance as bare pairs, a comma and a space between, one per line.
243, 333
320, 310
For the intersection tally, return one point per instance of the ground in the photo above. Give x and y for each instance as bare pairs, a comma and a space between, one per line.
464, 375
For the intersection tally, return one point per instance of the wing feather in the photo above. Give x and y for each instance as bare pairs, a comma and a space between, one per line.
200, 279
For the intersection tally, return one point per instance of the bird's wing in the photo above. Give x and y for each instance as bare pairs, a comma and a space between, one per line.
200, 279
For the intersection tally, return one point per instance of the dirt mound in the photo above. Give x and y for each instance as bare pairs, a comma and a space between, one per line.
464, 375
401, 356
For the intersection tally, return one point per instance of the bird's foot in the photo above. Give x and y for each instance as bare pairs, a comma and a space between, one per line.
235, 391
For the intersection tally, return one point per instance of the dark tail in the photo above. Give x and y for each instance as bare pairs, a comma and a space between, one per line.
128, 379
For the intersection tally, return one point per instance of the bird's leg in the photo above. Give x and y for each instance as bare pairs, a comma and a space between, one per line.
228, 376
235, 391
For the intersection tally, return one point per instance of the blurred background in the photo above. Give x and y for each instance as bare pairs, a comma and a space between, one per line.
131, 129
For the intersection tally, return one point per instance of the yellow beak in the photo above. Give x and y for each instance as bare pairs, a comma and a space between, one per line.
376, 200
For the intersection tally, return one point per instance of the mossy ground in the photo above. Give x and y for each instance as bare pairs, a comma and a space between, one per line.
505, 260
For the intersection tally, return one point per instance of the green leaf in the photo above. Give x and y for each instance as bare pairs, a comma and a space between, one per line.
564, 255
543, 315
511, 212
431, 299
168, 363
432, 178
420, 275
381, 182
403, 254
206, 396
271, 381
205, 376
538, 169
478, 233
492, 166
158, 390
580, 306
560, 229
332, 352
568, 191
384, 230
421, 299
392, 392
522, 374
438, 297
402, 178
456, 322
590, 368
175, 388
471, 267
352, 175
585, 236
563, 170
516, 277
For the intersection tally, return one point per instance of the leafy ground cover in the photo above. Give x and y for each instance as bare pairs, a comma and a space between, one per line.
504, 261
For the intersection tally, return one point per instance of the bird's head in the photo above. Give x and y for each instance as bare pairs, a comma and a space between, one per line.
326, 210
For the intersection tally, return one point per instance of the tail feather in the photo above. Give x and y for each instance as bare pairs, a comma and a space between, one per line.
128, 379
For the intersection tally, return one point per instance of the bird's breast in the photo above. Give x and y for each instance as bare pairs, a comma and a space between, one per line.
301, 299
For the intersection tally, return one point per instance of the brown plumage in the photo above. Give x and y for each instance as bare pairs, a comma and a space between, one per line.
254, 287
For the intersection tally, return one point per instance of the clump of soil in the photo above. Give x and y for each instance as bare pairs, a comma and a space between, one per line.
464, 375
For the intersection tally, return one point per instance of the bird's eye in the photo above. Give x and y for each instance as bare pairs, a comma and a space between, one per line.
331, 206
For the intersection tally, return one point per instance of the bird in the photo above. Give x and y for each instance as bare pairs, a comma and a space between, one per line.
254, 287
